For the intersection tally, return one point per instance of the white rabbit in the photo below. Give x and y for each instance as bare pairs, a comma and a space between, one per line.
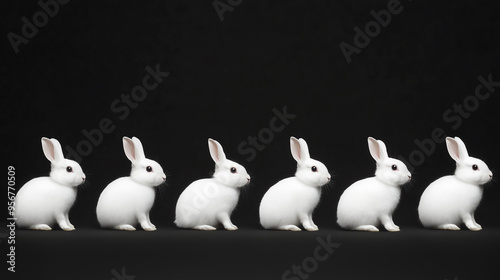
206, 203
126, 201
371, 201
451, 200
43, 201
291, 201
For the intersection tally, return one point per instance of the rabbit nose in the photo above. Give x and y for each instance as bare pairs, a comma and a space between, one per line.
164, 178
328, 178
248, 180
83, 178
409, 176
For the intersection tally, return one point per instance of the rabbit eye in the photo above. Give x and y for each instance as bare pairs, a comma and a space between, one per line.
314, 169
475, 168
69, 169
233, 170
394, 167
149, 169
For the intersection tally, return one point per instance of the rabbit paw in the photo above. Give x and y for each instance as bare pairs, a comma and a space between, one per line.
231, 227
41, 227
367, 228
125, 227
312, 228
67, 228
448, 227
204, 227
290, 227
474, 227
149, 228
392, 228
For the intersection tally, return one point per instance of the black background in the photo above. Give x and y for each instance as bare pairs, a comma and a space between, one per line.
225, 79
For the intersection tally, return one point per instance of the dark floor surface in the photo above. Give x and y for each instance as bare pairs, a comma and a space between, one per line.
251, 253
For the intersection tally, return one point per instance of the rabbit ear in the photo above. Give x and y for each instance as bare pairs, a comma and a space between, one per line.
299, 149
133, 149
216, 151
139, 150
52, 149
456, 149
377, 149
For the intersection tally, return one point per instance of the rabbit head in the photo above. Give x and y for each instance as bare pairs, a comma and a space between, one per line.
63, 171
389, 170
227, 172
309, 171
144, 171
469, 169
